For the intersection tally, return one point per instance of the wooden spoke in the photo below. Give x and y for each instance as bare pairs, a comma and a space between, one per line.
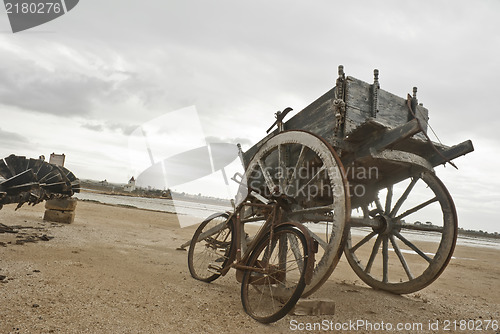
323, 244
385, 259
376, 246
412, 246
363, 241
267, 177
403, 197
300, 161
282, 156
415, 209
312, 179
388, 200
401, 257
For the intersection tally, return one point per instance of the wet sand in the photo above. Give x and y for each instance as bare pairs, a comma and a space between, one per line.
117, 270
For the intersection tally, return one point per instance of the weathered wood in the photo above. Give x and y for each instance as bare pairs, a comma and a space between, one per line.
375, 120
452, 153
401, 157
6, 229
376, 143
16, 163
318, 118
32, 181
20, 182
5, 170
358, 103
392, 109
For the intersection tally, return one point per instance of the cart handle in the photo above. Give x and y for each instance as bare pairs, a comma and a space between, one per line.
279, 115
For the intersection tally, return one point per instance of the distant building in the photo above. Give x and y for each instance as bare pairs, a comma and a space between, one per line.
130, 186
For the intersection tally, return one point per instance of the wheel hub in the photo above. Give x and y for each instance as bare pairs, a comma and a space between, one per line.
387, 225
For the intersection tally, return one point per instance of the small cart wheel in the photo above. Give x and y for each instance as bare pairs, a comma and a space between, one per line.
304, 175
276, 280
210, 247
403, 244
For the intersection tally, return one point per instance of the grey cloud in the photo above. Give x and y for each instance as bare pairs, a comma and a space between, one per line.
125, 129
28, 86
238, 63
11, 137
13, 143
93, 127
235, 140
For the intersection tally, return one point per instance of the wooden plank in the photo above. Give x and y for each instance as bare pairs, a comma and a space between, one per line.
318, 117
423, 116
451, 153
376, 143
392, 109
369, 128
358, 103
16, 163
5, 171
360, 127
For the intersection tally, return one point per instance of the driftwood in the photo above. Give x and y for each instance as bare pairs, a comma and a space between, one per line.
6, 229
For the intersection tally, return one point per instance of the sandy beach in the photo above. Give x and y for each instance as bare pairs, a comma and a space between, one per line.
117, 270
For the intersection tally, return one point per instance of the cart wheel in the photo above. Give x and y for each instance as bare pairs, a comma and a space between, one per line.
277, 279
210, 247
415, 235
304, 175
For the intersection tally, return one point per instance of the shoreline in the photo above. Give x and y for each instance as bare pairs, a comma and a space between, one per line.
461, 234
220, 202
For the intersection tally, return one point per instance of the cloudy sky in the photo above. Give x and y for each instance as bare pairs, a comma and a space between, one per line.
83, 83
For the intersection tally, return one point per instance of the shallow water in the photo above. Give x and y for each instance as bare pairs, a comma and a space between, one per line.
203, 210
196, 209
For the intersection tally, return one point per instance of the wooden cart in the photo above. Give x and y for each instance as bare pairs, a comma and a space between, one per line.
356, 167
